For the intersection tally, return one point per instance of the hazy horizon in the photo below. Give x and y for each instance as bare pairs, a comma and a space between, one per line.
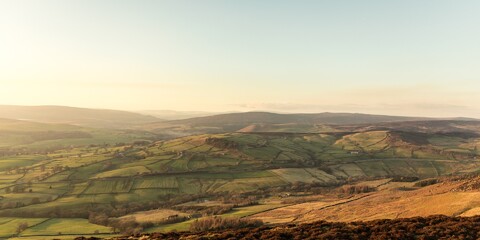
172, 114
405, 58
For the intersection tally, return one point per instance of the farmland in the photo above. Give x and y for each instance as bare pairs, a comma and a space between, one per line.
243, 173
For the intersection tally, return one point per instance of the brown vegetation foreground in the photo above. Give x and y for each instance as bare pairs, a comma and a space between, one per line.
433, 227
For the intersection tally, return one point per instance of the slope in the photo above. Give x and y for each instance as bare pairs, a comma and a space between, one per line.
76, 116
297, 122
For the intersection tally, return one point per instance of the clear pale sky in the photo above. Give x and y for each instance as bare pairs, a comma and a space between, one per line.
406, 57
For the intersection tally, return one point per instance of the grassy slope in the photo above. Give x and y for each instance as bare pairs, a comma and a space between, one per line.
33, 136
237, 212
223, 162
65, 226
388, 203
195, 165
78, 116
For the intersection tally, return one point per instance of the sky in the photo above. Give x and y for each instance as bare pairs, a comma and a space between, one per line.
408, 57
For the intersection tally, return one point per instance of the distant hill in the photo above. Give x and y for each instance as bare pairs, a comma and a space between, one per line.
457, 125
32, 136
276, 118
176, 115
269, 122
76, 116
305, 123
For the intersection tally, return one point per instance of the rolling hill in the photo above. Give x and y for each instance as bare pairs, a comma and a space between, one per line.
102, 118
25, 136
265, 121
233, 162
306, 123
451, 196
127, 174
276, 118
176, 115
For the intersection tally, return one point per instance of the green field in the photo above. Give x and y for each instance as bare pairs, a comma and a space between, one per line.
8, 226
237, 212
65, 226
81, 175
50, 170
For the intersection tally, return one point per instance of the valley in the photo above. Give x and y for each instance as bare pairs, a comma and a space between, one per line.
252, 120
122, 181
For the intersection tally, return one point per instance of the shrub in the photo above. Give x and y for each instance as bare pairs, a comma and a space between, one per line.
219, 223
22, 227
355, 189
426, 182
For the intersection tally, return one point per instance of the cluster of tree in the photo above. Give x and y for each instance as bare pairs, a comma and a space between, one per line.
426, 182
170, 200
17, 170
21, 227
204, 210
239, 200
142, 143
219, 223
222, 143
176, 219
356, 189
59, 168
19, 188
404, 179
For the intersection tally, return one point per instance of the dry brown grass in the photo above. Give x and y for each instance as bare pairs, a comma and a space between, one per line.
154, 215
389, 203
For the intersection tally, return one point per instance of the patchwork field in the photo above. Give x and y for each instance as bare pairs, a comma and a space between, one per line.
51, 180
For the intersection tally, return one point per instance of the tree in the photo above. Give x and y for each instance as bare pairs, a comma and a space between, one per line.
98, 218
21, 227
18, 188
8, 190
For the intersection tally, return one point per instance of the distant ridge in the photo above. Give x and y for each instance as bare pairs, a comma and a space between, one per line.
176, 115
278, 122
76, 116
301, 118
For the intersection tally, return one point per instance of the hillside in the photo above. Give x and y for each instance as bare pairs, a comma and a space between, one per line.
27, 137
102, 118
392, 199
470, 126
235, 162
239, 120
276, 118
267, 122
308, 123
123, 175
